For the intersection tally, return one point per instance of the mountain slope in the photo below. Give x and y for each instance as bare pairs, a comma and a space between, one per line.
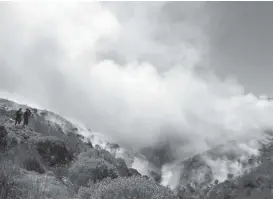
56, 158
50, 159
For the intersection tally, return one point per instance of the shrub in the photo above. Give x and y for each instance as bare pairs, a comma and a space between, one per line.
90, 153
135, 187
26, 156
99, 153
16, 183
33, 164
33, 186
53, 150
86, 169
3, 140
7, 183
133, 172
60, 172
73, 143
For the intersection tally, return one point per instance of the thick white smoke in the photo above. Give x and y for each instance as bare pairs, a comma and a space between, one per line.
49, 54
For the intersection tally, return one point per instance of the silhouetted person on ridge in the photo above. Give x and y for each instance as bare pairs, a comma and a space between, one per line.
18, 116
27, 113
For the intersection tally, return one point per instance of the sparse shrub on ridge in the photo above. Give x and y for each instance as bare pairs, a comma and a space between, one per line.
3, 139
16, 183
35, 186
26, 156
86, 169
53, 150
33, 164
99, 153
60, 172
6, 182
135, 187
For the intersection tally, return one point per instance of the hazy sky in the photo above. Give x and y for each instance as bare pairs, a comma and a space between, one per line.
242, 43
186, 72
236, 35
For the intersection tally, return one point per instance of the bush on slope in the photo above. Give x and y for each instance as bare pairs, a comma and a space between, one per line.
7, 174
53, 150
17, 183
134, 187
87, 169
118, 163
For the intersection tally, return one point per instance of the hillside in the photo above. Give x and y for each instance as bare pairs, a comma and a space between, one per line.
55, 158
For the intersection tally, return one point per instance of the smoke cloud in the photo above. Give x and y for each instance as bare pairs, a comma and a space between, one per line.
107, 65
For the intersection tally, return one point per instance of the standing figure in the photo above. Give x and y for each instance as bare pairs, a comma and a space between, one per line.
18, 116
27, 113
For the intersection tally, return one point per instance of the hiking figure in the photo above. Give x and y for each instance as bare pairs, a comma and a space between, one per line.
18, 116
27, 113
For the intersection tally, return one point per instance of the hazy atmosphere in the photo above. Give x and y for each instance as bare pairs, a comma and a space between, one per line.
190, 73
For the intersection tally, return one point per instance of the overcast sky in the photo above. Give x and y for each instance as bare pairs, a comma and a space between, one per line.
236, 35
144, 71
242, 44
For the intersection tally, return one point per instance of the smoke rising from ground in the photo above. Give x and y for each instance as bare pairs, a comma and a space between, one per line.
115, 75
